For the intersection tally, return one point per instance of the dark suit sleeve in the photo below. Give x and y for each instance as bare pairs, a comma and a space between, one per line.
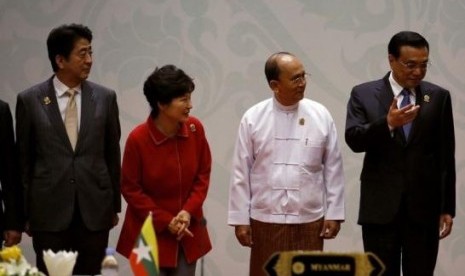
25, 150
113, 151
365, 127
447, 156
11, 187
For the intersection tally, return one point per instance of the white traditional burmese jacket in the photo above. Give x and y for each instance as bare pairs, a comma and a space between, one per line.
287, 166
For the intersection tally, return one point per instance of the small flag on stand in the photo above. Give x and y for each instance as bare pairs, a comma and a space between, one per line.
144, 256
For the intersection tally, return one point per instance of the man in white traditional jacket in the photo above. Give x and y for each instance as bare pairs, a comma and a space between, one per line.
287, 184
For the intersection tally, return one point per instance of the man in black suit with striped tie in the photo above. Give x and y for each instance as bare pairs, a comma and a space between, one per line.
68, 138
404, 125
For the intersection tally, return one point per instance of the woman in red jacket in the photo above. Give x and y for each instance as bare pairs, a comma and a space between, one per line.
166, 171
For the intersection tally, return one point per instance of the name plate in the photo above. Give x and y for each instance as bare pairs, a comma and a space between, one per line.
303, 263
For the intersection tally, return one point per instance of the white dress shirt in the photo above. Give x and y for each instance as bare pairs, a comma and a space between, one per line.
397, 88
287, 166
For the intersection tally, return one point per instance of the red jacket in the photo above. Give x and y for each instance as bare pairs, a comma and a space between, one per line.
165, 175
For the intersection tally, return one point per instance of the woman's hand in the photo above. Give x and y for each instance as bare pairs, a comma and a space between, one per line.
179, 225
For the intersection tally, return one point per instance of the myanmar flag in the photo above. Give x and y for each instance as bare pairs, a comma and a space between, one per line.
144, 256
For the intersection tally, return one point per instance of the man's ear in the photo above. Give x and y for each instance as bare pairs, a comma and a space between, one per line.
391, 58
274, 86
59, 59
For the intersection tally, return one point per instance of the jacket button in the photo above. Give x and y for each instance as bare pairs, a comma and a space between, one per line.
72, 181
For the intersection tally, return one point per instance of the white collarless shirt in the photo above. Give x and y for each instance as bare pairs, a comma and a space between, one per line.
287, 166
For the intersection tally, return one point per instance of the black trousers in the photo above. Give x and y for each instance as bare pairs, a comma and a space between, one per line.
90, 246
404, 243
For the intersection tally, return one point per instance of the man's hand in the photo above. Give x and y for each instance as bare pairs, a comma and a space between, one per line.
445, 225
330, 229
244, 235
11, 237
398, 117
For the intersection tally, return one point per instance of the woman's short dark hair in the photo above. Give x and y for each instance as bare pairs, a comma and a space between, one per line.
165, 84
61, 41
406, 38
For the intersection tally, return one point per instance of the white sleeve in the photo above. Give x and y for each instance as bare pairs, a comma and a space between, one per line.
333, 177
239, 189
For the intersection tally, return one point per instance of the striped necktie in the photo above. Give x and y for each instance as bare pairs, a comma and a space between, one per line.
405, 102
71, 121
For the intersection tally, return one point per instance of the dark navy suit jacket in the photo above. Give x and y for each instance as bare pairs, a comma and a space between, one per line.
417, 173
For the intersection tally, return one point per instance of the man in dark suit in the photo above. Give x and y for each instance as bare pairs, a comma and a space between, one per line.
407, 201
68, 135
11, 215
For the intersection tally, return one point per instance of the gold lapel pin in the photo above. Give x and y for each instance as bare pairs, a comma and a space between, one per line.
192, 126
47, 100
426, 98
302, 121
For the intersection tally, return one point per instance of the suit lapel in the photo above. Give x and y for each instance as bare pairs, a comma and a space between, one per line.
385, 94
47, 98
87, 111
421, 96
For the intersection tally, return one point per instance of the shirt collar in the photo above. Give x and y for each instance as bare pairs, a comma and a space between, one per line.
61, 88
285, 108
159, 137
396, 87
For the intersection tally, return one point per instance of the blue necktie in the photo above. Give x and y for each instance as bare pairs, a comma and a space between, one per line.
405, 102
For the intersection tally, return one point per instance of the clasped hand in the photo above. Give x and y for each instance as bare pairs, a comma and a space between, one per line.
398, 117
179, 225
